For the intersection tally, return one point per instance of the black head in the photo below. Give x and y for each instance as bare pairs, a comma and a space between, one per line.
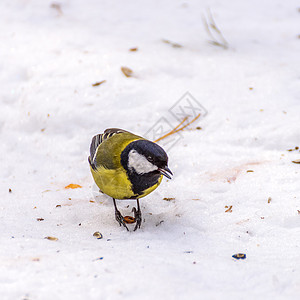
143, 157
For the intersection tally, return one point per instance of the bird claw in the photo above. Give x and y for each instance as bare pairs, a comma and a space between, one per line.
138, 218
120, 219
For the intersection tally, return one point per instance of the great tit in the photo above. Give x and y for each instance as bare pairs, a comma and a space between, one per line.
127, 166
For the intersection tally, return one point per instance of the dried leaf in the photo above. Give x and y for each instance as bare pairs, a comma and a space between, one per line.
40, 219
73, 186
133, 49
297, 161
269, 200
127, 72
51, 238
98, 83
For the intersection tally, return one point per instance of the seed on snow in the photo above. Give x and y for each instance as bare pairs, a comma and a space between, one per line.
51, 238
98, 235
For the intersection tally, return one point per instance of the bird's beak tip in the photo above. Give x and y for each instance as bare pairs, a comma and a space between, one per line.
166, 171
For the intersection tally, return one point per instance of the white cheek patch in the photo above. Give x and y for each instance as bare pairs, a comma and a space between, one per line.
139, 163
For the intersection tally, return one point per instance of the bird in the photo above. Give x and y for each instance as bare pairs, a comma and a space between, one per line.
127, 166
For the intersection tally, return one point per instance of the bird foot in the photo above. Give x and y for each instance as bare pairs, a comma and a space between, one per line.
137, 217
120, 219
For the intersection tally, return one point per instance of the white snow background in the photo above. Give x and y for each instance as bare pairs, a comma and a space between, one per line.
52, 54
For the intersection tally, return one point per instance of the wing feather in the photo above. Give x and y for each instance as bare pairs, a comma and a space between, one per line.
97, 140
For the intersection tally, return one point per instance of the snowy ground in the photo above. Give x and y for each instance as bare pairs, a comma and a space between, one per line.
50, 57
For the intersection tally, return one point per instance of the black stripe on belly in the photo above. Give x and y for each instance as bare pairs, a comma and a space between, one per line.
142, 182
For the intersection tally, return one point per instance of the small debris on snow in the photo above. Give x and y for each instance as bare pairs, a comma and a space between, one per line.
98, 83
174, 45
129, 219
297, 161
99, 258
168, 199
73, 186
97, 235
296, 148
35, 259
127, 72
239, 256
229, 208
51, 238
57, 7
157, 224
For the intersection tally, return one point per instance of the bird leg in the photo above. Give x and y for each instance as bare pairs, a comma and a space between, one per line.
137, 215
118, 216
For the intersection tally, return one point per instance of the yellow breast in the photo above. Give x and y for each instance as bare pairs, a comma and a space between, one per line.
115, 183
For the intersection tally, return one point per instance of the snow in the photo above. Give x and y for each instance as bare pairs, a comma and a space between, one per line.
50, 57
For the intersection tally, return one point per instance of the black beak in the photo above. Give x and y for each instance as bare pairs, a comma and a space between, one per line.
165, 171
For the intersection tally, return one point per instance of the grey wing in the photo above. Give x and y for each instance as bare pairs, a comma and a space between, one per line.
97, 140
